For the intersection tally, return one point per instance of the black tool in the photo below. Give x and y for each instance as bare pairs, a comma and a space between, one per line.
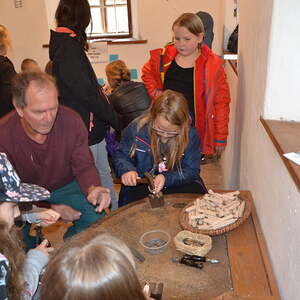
156, 290
188, 262
137, 254
39, 237
200, 258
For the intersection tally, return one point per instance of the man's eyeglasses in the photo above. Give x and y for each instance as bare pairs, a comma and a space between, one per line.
165, 133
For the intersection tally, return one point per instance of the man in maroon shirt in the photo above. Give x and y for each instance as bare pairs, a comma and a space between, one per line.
48, 145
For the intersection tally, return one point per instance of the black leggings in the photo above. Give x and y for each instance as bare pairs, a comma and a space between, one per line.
130, 194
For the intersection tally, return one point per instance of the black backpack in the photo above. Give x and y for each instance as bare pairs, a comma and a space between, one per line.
233, 40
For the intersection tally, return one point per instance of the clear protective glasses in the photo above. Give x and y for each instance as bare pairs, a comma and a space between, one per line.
164, 132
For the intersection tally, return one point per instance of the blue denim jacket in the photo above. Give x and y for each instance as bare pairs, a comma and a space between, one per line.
142, 161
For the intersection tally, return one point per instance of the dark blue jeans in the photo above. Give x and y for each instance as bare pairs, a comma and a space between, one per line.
72, 196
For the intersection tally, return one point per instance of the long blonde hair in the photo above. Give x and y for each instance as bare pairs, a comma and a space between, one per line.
174, 108
11, 246
4, 40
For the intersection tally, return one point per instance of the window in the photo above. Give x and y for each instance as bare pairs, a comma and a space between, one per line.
110, 19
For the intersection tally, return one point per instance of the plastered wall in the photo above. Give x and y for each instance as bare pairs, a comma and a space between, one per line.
155, 20
258, 165
282, 95
29, 27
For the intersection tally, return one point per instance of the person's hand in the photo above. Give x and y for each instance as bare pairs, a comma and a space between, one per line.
129, 178
47, 217
159, 182
219, 150
99, 196
146, 292
67, 213
43, 247
107, 89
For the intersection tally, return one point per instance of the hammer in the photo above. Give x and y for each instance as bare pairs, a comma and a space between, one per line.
156, 199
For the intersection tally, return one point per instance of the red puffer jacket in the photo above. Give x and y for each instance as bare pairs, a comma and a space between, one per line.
216, 92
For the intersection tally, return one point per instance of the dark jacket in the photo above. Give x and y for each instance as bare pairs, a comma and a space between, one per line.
7, 72
78, 86
142, 161
129, 100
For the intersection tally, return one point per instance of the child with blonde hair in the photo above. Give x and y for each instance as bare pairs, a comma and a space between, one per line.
162, 143
188, 66
92, 266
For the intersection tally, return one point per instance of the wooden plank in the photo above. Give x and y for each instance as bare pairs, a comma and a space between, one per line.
115, 42
265, 255
285, 136
247, 266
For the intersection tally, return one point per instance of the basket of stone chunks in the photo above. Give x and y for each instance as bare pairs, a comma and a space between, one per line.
215, 213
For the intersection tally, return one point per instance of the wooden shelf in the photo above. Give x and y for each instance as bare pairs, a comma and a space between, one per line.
285, 135
115, 42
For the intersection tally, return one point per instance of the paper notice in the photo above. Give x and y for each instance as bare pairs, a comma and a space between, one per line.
293, 156
98, 52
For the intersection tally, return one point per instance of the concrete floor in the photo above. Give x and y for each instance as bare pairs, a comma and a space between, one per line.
210, 173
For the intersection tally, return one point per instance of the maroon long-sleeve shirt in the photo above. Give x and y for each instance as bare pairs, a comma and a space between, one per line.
62, 158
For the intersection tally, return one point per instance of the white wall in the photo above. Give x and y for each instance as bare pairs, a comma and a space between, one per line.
282, 97
50, 12
29, 27
229, 159
258, 164
155, 20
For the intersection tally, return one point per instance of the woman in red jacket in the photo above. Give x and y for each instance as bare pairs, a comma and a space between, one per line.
190, 67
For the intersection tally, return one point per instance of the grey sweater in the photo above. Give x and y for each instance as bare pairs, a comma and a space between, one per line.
34, 263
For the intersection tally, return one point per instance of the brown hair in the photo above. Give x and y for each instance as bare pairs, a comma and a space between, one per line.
11, 247
49, 67
174, 108
28, 62
76, 15
191, 22
92, 266
4, 40
21, 81
118, 70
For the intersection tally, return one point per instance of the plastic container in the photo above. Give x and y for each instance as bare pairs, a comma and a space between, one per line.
155, 241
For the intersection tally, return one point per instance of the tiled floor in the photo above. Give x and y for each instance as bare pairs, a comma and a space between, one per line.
210, 173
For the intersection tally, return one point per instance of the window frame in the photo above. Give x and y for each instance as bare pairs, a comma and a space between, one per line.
104, 17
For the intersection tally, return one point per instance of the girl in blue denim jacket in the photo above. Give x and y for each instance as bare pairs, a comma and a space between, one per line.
163, 143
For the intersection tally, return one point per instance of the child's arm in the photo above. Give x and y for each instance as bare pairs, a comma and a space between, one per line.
151, 77
44, 217
221, 107
121, 159
4, 273
35, 261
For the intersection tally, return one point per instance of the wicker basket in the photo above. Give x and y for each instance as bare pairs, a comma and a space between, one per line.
205, 240
183, 220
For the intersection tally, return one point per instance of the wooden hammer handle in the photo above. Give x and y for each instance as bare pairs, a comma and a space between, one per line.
138, 181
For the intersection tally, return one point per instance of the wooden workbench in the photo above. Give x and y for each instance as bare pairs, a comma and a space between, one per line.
244, 271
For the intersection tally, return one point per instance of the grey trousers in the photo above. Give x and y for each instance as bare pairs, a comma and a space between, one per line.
101, 160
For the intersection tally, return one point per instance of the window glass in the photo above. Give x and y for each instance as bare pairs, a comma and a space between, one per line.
94, 2
122, 19
97, 25
109, 18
